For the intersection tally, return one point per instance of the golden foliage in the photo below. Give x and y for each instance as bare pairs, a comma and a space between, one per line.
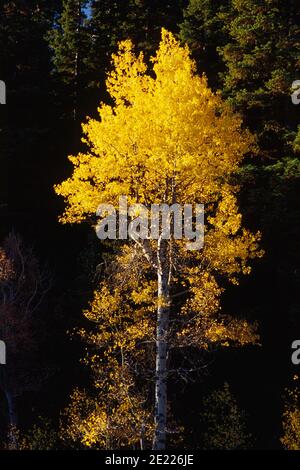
165, 125
116, 415
170, 126
291, 419
112, 418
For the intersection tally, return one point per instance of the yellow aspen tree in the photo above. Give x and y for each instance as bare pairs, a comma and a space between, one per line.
168, 139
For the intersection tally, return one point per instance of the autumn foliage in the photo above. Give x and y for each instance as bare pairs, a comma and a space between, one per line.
166, 138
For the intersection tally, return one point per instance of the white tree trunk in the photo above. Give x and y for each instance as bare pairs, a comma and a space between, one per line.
161, 372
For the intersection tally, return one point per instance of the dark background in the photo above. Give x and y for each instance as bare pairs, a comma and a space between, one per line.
38, 131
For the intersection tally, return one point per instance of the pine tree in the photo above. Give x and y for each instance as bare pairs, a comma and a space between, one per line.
69, 42
262, 60
109, 23
151, 16
203, 30
138, 20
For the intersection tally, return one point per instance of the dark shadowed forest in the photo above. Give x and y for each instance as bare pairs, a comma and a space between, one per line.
129, 344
